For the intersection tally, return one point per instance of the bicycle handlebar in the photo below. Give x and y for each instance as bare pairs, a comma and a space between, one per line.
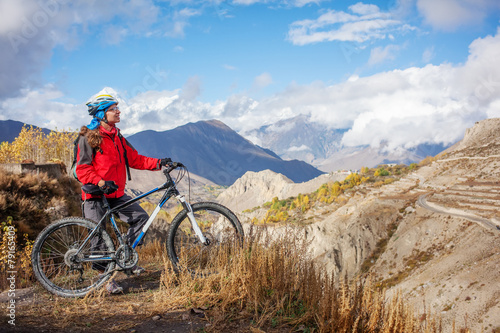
172, 166
96, 190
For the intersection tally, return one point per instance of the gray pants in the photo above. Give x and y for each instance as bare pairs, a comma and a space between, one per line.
134, 215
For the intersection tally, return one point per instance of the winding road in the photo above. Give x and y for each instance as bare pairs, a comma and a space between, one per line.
422, 202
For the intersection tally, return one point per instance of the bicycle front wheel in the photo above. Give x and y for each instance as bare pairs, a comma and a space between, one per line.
58, 265
219, 225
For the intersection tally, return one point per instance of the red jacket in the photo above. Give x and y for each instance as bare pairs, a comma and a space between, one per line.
108, 163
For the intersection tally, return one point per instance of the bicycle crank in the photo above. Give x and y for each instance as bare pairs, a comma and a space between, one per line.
126, 257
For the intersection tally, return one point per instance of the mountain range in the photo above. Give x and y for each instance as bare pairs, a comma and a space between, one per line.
209, 149
214, 151
10, 129
321, 146
296, 147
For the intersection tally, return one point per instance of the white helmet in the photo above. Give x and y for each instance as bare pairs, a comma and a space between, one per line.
100, 103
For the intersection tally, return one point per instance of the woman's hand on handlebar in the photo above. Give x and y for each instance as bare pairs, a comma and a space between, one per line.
165, 161
172, 166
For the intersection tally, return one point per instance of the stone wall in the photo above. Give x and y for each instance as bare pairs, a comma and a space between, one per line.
53, 170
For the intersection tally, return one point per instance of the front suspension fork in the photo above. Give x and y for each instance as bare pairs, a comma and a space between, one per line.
192, 219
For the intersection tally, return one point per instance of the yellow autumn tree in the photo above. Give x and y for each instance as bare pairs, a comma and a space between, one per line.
7, 154
33, 144
60, 146
29, 144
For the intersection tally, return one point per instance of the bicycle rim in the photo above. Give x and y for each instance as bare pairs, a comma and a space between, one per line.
53, 258
218, 224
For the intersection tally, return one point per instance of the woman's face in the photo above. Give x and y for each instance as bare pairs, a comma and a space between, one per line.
113, 114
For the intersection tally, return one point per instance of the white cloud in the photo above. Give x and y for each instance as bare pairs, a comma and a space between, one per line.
428, 54
191, 89
30, 29
365, 22
432, 104
379, 54
294, 3
39, 107
399, 108
180, 21
448, 15
113, 35
247, 2
301, 148
262, 81
364, 9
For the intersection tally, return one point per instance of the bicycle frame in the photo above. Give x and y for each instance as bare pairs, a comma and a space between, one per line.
170, 190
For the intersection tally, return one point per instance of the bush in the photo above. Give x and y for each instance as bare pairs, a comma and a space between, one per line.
381, 172
14, 256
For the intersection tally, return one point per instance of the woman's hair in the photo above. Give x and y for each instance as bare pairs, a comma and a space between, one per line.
93, 136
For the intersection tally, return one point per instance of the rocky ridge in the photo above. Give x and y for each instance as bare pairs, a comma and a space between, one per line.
255, 188
433, 235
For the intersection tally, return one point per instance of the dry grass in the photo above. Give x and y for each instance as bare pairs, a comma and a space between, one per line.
28, 203
279, 285
33, 200
271, 283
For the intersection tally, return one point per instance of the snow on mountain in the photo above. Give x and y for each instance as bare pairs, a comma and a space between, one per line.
321, 146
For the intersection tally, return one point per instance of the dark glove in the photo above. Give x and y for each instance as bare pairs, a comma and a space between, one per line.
165, 161
109, 187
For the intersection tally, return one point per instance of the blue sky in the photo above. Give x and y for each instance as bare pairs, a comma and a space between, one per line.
376, 67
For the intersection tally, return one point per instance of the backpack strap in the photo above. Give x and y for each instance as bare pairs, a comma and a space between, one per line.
75, 153
124, 154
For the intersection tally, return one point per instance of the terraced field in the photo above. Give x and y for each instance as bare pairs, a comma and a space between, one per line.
476, 200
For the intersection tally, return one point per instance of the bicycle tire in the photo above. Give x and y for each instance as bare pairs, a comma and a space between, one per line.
50, 255
219, 224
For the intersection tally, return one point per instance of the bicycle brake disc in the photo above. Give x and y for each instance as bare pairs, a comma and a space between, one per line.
122, 261
71, 257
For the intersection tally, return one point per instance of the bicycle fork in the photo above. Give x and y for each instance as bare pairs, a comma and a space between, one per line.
192, 219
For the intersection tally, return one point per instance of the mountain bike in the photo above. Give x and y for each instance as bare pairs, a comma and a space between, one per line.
66, 253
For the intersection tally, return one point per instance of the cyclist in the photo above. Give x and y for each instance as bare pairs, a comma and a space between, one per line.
103, 159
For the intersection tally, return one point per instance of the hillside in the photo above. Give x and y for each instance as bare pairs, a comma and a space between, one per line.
433, 235
255, 188
214, 151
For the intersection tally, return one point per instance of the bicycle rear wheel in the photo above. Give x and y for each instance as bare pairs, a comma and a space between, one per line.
56, 263
218, 224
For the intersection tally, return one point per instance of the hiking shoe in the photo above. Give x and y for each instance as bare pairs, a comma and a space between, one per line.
137, 270
113, 288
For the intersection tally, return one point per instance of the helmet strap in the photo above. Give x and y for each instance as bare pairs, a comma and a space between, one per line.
102, 119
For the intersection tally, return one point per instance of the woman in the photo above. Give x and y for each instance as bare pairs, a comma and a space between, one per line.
103, 159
